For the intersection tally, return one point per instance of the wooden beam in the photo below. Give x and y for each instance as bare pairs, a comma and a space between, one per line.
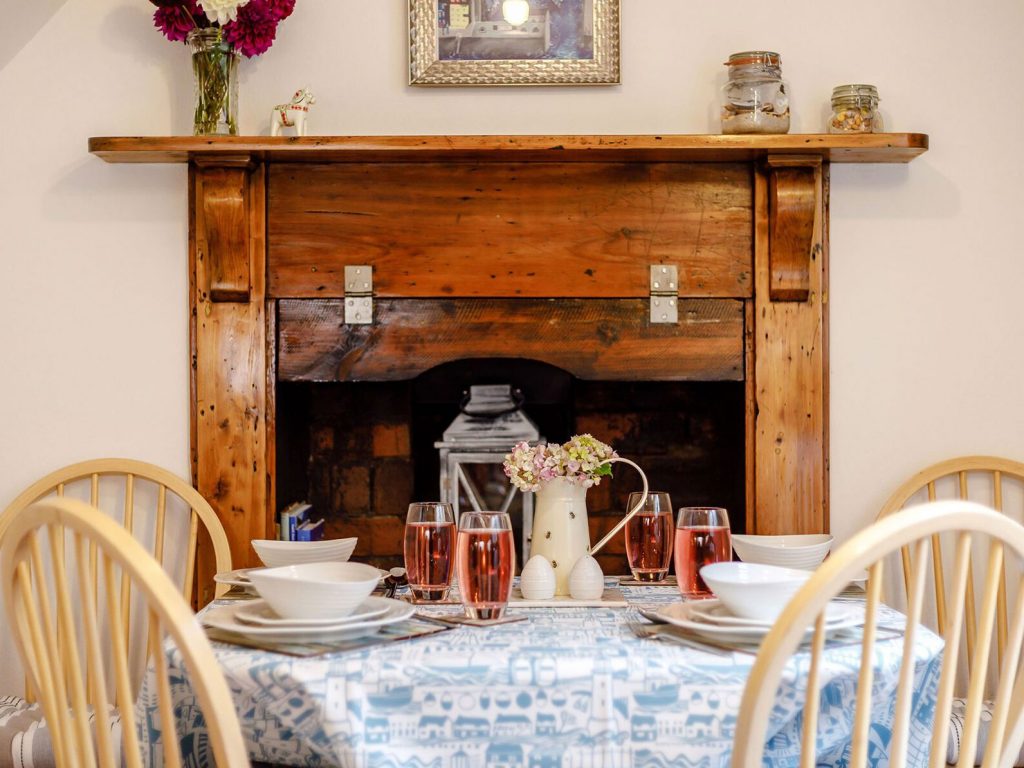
592, 339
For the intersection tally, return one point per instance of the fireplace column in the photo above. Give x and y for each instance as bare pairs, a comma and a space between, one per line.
231, 443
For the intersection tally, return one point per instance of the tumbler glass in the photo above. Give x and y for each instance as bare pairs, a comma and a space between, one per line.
430, 549
649, 536
486, 563
702, 538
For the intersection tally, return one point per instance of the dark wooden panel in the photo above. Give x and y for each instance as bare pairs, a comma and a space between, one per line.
592, 339
512, 229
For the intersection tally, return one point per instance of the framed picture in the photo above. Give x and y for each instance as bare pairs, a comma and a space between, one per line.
513, 42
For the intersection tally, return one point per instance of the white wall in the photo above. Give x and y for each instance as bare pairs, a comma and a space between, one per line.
926, 262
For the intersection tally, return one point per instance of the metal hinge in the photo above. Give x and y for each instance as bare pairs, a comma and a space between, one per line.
359, 295
664, 293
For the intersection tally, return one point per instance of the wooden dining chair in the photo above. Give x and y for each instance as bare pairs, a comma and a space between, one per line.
66, 568
993, 481
972, 525
159, 508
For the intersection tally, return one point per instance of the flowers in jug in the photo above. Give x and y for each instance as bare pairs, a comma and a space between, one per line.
581, 461
248, 26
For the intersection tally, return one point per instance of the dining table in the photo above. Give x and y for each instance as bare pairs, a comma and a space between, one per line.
567, 687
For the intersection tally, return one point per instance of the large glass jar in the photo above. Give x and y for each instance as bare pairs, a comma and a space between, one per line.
215, 70
755, 99
855, 110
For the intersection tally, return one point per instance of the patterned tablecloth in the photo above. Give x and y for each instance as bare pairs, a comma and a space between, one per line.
569, 687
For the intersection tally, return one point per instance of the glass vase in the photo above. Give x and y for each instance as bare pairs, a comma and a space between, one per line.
215, 70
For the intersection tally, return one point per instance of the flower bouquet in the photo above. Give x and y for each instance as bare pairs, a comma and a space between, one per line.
581, 461
218, 31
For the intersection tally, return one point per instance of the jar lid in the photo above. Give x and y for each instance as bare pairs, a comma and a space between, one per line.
765, 58
855, 90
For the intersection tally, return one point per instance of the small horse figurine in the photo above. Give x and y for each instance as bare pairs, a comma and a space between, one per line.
293, 113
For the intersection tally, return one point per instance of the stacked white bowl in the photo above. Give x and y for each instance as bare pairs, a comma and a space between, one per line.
315, 590
803, 551
275, 553
752, 590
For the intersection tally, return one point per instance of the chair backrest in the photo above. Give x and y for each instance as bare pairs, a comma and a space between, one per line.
65, 568
153, 504
870, 549
993, 481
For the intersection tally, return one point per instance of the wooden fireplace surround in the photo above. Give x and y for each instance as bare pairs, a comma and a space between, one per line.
532, 246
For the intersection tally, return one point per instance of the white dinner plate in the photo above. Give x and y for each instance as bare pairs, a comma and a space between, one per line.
682, 615
715, 612
259, 612
236, 578
225, 617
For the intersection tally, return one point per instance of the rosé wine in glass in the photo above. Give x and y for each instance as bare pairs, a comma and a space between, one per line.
486, 563
649, 537
702, 538
430, 550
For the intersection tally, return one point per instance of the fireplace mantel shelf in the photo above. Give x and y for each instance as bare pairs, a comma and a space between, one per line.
859, 148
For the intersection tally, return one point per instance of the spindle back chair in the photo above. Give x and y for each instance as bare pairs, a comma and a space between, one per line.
148, 499
984, 479
912, 528
65, 569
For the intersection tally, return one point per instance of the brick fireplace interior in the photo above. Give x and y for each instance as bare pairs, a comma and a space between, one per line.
360, 452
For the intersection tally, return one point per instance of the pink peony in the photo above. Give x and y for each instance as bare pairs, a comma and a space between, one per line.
252, 33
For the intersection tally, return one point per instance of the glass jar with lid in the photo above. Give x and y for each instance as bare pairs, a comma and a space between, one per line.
855, 109
756, 98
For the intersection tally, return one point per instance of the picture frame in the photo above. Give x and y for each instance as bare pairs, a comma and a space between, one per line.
475, 42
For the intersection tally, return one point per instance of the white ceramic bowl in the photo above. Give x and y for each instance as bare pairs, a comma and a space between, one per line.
797, 551
315, 590
752, 590
275, 553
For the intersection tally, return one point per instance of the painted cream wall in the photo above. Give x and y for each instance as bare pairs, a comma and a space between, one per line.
926, 262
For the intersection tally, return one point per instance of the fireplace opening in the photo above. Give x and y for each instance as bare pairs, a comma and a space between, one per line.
360, 452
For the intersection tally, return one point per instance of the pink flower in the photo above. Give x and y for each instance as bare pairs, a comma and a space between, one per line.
280, 9
176, 18
252, 33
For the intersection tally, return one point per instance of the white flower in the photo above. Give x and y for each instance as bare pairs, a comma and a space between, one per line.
221, 11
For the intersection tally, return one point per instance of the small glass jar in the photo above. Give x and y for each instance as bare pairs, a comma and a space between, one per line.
755, 99
855, 110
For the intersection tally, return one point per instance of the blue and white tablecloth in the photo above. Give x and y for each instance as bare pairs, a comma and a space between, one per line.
568, 688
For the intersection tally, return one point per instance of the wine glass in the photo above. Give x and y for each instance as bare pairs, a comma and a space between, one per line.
702, 538
486, 563
649, 536
429, 549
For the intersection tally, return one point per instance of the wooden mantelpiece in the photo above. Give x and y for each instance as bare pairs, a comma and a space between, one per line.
467, 233
862, 148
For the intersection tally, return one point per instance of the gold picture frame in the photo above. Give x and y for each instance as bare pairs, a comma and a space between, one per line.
562, 42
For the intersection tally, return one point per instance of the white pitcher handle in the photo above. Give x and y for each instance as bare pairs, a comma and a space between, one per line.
629, 516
